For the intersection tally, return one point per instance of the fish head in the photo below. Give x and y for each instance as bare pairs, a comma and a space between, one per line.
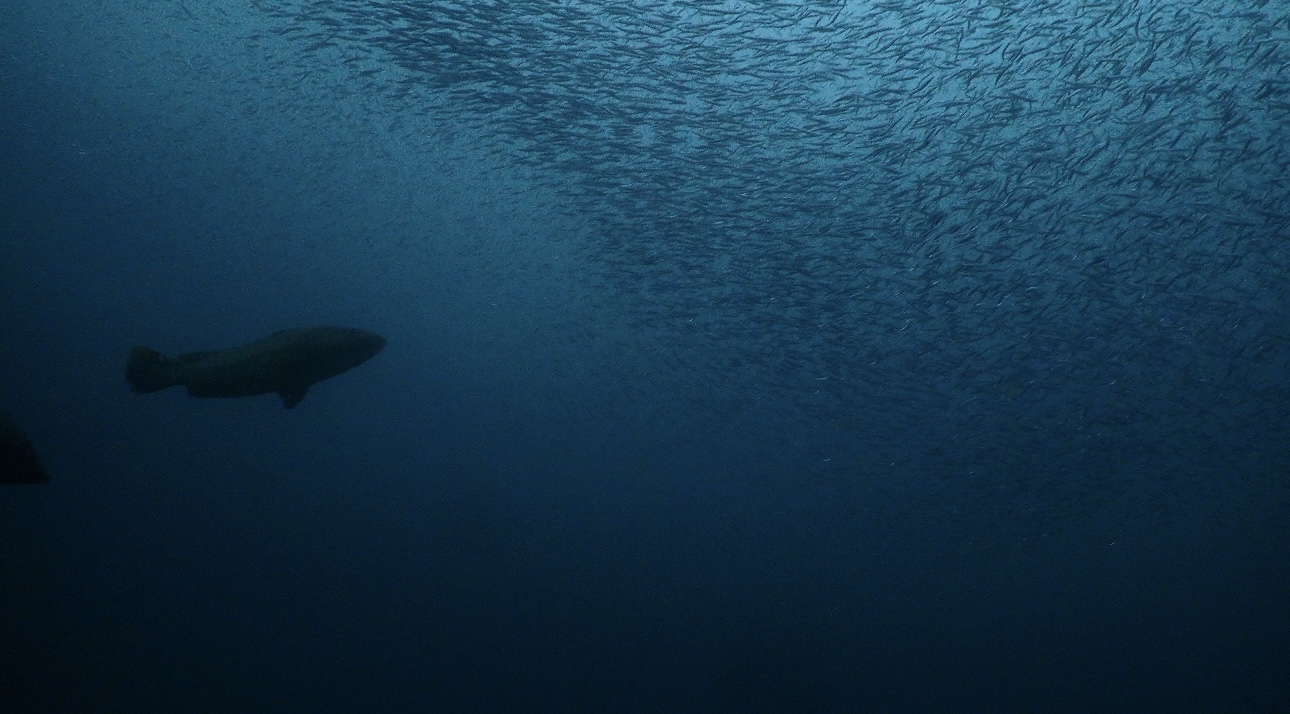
354, 346
313, 354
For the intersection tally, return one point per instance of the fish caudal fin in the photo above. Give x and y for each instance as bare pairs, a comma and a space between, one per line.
149, 371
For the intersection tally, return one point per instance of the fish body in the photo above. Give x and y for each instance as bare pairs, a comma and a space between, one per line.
286, 363
18, 461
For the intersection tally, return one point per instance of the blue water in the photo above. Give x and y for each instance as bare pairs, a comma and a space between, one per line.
717, 379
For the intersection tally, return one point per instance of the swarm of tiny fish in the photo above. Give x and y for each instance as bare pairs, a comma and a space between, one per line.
979, 230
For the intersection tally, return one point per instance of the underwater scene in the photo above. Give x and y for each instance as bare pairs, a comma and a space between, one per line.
645, 356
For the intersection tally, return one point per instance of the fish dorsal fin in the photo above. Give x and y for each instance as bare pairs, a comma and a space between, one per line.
194, 356
291, 396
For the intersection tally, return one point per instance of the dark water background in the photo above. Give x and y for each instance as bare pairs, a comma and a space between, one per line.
708, 388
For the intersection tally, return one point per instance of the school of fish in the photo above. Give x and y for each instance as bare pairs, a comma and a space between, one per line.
1041, 237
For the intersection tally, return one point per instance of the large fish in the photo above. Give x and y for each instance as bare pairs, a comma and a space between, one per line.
18, 462
286, 363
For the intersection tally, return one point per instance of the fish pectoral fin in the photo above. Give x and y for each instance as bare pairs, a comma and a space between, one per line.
291, 396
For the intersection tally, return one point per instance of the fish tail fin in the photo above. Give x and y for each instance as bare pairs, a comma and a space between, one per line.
149, 371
